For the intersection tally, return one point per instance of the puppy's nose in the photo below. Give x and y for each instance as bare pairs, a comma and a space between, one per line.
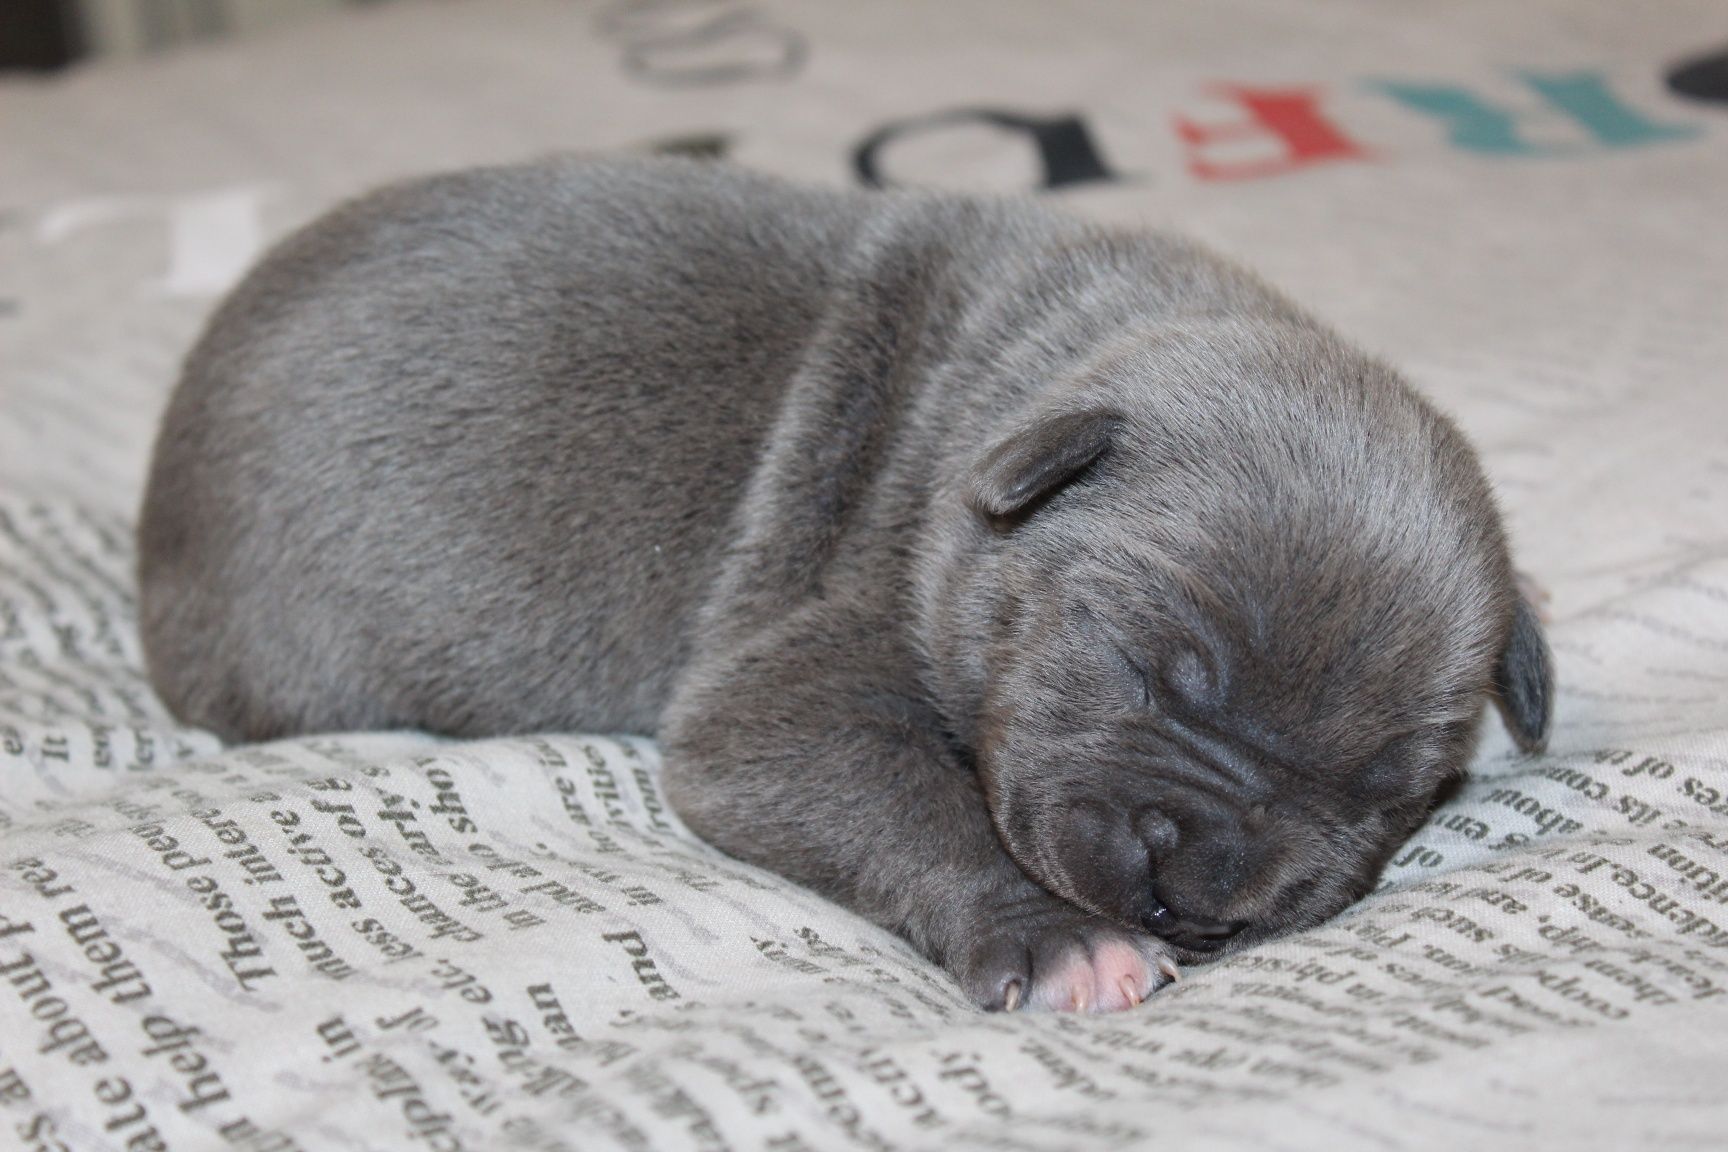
1205, 856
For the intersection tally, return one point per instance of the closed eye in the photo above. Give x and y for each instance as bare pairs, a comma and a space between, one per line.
1131, 675
1127, 675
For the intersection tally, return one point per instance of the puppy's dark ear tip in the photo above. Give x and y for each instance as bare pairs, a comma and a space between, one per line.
1531, 747
1524, 682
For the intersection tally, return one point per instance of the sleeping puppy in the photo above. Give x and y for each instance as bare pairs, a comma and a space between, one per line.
1063, 599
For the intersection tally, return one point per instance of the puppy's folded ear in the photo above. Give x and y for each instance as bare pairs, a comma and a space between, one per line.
1524, 681
1031, 464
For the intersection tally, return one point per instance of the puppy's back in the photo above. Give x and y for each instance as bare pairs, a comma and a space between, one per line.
472, 421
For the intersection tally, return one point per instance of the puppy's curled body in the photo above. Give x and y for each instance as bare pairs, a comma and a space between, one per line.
1062, 598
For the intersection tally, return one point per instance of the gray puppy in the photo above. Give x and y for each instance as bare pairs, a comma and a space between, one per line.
1063, 599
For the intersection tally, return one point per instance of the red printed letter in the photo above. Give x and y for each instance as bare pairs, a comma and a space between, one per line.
1287, 119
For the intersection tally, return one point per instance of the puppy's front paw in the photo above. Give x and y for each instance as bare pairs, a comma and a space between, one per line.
1042, 953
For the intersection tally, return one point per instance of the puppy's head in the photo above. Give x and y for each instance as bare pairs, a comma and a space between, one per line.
1232, 604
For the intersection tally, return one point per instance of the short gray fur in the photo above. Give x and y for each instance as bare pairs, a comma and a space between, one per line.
1019, 583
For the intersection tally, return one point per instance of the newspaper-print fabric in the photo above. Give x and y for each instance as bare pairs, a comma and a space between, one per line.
392, 942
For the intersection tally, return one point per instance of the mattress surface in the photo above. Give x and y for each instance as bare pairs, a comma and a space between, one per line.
388, 941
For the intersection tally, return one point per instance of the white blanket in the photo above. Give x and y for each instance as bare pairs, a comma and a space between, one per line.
388, 942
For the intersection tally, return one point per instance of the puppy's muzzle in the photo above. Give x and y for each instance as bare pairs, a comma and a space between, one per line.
1212, 864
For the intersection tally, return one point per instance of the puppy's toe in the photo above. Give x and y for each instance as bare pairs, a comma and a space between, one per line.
1066, 961
1125, 972
1097, 967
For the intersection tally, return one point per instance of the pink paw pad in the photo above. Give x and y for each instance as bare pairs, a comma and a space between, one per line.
1111, 976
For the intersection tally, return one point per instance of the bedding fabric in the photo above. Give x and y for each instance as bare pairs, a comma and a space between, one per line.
388, 941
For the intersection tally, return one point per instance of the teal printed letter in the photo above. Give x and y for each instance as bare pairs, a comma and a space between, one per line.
1476, 125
